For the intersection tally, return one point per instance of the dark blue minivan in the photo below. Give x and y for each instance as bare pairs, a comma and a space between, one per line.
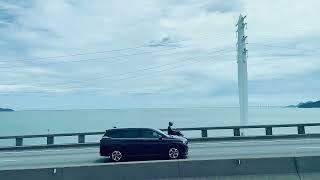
122, 143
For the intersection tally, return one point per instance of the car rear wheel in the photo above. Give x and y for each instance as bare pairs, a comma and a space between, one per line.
116, 156
174, 153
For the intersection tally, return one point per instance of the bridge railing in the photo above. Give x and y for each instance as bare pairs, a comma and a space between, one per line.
50, 137
236, 129
204, 132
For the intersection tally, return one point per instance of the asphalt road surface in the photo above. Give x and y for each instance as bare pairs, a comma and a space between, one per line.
209, 150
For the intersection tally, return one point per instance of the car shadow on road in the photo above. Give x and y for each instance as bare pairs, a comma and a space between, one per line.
103, 160
133, 159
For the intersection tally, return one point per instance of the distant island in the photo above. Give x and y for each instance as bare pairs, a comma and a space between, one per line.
309, 104
6, 109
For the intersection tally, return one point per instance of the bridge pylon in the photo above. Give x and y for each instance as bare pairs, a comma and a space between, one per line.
242, 53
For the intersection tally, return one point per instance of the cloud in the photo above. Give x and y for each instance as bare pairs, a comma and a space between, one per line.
164, 42
283, 43
28, 89
221, 6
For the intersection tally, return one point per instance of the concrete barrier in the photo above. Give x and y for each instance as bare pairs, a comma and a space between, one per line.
233, 169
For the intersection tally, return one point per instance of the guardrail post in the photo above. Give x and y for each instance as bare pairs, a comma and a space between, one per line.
236, 131
50, 140
301, 130
268, 131
204, 133
81, 138
19, 141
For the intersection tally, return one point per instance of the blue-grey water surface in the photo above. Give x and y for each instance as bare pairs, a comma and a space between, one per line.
64, 121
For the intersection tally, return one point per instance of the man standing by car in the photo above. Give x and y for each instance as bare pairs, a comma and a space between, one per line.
171, 131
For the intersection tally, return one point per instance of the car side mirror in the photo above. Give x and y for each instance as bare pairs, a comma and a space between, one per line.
160, 137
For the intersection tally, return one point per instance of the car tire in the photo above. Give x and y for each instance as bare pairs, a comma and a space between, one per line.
173, 153
116, 155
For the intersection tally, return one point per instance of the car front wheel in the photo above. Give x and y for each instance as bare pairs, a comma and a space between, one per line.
174, 153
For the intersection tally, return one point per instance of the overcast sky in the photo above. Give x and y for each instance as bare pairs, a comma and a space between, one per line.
81, 54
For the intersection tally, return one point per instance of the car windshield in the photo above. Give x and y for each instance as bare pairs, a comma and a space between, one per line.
161, 132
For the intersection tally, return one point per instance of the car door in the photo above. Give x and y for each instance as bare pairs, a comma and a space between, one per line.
131, 142
150, 142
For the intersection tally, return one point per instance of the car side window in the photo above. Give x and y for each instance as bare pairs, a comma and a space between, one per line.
130, 134
123, 134
134, 133
149, 134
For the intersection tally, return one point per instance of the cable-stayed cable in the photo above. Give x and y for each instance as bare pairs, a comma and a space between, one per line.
283, 47
148, 45
72, 87
153, 72
107, 59
147, 69
145, 75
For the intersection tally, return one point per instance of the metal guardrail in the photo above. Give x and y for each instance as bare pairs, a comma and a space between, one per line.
50, 137
204, 132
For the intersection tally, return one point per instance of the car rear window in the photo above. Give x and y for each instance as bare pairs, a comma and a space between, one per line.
113, 134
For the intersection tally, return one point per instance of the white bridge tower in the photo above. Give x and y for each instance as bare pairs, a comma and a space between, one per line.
242, 70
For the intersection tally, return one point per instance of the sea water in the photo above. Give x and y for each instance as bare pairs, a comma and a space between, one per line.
73, 121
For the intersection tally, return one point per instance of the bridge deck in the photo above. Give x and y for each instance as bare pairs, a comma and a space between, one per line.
211, 150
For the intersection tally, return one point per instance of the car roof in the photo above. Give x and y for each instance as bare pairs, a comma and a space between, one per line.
123, 129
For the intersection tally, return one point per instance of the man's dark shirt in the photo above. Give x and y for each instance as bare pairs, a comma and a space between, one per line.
171, 131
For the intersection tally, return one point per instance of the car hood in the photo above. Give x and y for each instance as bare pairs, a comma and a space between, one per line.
179, 138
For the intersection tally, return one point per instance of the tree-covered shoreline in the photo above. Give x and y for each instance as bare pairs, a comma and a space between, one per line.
309, 104
6, 109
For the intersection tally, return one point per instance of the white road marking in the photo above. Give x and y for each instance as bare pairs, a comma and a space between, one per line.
8, 160
254, 141
308, 147
48, 151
